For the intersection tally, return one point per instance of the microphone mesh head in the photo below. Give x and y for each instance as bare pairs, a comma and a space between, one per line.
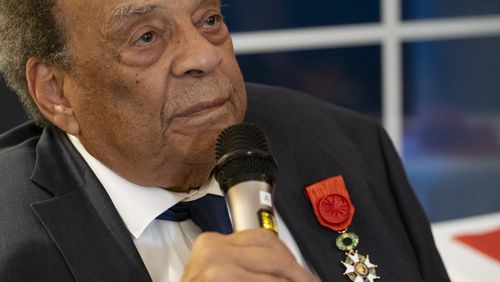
240, 136
246, 155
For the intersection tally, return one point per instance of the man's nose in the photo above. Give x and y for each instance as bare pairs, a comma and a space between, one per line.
195, 55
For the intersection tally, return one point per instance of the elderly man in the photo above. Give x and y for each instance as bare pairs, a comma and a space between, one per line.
127, 98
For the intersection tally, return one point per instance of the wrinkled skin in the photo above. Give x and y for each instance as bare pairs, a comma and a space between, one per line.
152, 83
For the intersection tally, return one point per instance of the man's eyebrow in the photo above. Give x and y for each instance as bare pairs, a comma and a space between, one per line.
126, 12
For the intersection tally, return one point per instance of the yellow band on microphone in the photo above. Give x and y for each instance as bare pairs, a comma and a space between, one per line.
267, 221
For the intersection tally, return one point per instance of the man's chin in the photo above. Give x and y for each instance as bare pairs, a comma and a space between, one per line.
198, 150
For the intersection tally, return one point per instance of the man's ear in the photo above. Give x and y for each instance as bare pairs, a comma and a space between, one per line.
45, 84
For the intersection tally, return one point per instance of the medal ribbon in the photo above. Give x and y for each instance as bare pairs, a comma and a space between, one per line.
331, 203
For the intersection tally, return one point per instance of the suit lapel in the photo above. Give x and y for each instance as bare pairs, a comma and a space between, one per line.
81, 218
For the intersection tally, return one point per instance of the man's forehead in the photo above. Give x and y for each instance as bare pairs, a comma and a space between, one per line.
111, 14
122, 10
116, 9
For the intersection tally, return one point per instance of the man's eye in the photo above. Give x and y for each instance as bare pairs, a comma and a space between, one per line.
212, 21
146, 38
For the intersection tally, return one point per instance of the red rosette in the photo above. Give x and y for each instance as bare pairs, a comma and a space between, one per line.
331, 203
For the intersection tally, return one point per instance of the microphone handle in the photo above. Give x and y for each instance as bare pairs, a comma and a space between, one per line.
251, 206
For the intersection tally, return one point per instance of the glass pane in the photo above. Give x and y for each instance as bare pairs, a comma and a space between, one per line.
452, 136
348, 77
278, 14
11, 111
424, 9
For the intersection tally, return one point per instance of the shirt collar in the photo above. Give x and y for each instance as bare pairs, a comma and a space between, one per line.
138, 205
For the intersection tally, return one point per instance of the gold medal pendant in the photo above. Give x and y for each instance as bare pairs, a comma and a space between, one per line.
358, 267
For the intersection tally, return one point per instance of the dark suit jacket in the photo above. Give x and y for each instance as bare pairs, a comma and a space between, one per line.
58, 224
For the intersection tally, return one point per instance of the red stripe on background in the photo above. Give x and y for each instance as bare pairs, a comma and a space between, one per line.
487, 243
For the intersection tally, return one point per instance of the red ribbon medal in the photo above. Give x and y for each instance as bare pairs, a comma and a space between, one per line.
331, 203
334, 210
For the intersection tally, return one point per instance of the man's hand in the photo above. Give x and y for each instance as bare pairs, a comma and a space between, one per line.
251, 255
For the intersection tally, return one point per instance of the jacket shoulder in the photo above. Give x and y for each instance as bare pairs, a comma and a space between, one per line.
17, 160
295, 110
19, 135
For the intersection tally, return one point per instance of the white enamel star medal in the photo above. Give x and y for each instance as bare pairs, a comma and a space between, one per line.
333, 209
358, 267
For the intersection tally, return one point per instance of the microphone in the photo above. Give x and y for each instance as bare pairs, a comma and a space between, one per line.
246, 172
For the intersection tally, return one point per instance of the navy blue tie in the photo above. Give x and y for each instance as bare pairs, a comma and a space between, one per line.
208, 212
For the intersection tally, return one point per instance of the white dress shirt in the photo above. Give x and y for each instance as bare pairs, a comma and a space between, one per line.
164, 246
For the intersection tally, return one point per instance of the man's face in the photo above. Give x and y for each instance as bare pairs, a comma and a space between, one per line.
152, 84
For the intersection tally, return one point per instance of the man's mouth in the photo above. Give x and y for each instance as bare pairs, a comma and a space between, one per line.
202, 108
